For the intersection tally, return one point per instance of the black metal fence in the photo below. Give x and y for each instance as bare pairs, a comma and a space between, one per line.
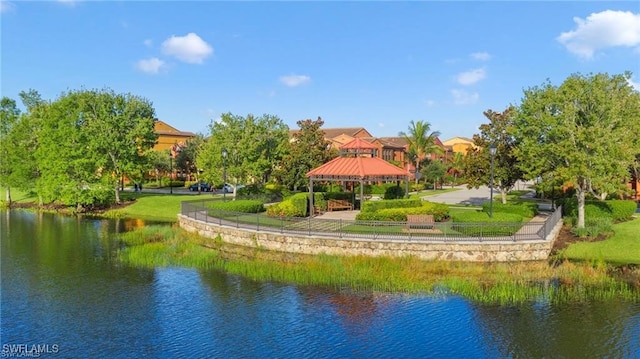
536, 229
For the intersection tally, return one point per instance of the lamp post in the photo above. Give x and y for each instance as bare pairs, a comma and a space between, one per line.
492, 153
170, 172
224, 173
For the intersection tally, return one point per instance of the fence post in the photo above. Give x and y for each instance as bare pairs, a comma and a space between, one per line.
340, 228
257, 222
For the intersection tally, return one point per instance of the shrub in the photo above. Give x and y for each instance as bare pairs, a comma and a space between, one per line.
476, 223
285, 208
394, 192
616, 210
240, 205
594, 227
373, 206
621, 209
478, 216
347, 196
319, 201
294, 206
525, 209
439, 211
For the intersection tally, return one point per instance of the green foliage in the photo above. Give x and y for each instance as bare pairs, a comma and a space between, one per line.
239, 205
621, 209
307, 150
582, 132
374, 206
294, 206
254, 145
594, 226
378, 189
439, 211
478, 216
616, 210
320, 201
347, 196
421, 142
524, 209
476, 223
394, 192
477, 163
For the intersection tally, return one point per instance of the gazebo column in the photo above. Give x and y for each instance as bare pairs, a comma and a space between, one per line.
311, 205
406, 185
361, 193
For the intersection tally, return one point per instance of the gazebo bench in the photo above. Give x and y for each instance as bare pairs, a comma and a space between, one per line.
338, 204
420, 223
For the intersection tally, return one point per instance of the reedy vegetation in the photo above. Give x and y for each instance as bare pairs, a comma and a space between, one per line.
504, 283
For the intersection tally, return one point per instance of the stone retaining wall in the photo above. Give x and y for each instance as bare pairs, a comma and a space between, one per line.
485, 251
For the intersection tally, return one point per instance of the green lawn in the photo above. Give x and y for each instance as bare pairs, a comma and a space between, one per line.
153, 206
621, 248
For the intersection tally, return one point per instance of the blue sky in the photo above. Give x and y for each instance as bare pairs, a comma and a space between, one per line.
378, 65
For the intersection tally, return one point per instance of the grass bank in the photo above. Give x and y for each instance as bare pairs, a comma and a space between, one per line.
623, 247
487, 282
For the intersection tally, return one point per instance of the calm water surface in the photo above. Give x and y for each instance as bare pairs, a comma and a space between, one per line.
63, 287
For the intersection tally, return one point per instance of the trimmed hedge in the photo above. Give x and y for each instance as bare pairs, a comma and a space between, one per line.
373, 206
439, 211
294, 206
476, 223
240, 205
525, 209
617, 210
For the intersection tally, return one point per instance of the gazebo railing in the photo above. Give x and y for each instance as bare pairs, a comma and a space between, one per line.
374, 230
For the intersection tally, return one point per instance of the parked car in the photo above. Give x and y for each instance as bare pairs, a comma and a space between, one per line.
229, 188
204, 187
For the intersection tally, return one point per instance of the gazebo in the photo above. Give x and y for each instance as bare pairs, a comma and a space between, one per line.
357, 163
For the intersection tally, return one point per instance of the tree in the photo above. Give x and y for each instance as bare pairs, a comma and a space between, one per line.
478, 161
421, 142
9, 115
456, 167
254, 146
187, 158
434, 172
582, 132
307, 150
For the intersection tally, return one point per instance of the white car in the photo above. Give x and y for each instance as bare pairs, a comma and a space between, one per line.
228, 188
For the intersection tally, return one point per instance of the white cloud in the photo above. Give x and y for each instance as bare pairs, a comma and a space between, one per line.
471, 77
148, 43
635, 85
6, 7
482, 56
602, 30
380, 124
430, 103
294, 80
189, 48
464, 98
150, 66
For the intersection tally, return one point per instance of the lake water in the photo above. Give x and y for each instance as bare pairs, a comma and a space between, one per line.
65, 295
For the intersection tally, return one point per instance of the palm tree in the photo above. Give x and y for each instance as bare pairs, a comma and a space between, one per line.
456, 166
421, 142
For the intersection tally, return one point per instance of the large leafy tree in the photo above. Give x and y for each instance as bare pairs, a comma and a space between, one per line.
88, 140
254, 147
422, 142
307, 150
582, 132
478, 161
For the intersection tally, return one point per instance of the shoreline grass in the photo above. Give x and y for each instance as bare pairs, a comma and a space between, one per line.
500, 283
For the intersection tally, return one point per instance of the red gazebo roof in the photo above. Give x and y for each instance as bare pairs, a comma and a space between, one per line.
358, 168
358, 144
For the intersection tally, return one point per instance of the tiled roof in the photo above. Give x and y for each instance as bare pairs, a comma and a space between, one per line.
335, 132
360, 167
